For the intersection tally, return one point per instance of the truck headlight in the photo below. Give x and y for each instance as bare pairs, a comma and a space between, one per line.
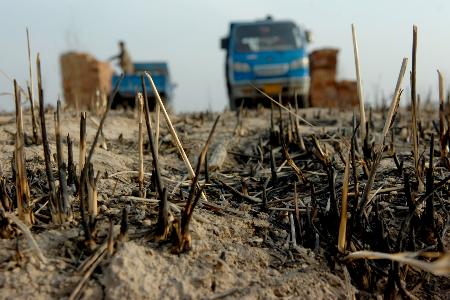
241, 67
302, 62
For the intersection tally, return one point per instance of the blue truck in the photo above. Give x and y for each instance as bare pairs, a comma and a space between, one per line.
270, 55
131, 84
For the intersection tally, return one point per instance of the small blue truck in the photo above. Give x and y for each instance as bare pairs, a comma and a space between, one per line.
270, 55
131, 84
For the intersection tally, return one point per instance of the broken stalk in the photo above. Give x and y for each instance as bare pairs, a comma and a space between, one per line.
343, 222
47, 152
31, 92
22, 187
362, 114
183, 234
442, 131
141, 145
414, 110
64, 209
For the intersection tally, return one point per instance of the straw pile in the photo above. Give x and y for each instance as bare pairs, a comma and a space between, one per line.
325, 90
85, 79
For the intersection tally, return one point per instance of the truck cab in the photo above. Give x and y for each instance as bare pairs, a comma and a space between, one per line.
131, 84
270, 55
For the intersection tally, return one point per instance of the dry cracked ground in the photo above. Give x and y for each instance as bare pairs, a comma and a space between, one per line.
239, 251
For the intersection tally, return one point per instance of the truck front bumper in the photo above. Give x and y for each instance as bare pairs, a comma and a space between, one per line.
286, 87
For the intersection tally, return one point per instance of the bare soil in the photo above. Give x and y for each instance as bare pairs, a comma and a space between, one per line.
240, 251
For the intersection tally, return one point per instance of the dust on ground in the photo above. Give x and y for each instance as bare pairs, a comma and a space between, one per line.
229, 258
238, 251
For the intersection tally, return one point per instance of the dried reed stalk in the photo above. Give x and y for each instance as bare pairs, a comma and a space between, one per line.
442, 135
172, 131
22, 188
293, 165
331, 176
297, 212
301, 142
414, 110
429, 210
379, 152
291, 127
344, 204
82, 182
356, 192
64, 209
30, 70
33, 118
31, 92
141, 145
92, 193
157, 124
395, 101
71, 169
353, 156
162, 225
171, 128
47, 152
439, 267
103, 119
184, 239
156, 168
82, 159
84, 170
362, 114
236, 193
293, 233
76, 291
102, 136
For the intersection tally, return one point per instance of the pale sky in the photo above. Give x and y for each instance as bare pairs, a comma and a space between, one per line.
186, 34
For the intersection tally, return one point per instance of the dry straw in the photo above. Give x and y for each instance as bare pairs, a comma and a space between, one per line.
172, 130
440, 267
414, 109
343, 222
31, 92
442, 136
22, 187
388, 124
141, 144
362, 114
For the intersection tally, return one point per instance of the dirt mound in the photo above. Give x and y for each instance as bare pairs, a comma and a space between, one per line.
228, 266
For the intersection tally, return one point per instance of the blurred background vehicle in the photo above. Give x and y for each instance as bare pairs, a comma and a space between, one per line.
268, 54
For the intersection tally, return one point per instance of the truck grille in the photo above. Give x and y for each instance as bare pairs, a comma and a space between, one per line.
271, 70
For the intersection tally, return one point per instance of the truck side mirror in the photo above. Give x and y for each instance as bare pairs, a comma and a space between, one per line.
308, 36
224, 43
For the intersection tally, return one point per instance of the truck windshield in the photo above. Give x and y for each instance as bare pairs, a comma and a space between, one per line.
267, 37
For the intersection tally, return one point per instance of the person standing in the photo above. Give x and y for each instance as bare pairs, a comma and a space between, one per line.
124, 58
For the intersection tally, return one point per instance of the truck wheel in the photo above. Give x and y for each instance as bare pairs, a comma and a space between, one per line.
233, 104
303, 101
